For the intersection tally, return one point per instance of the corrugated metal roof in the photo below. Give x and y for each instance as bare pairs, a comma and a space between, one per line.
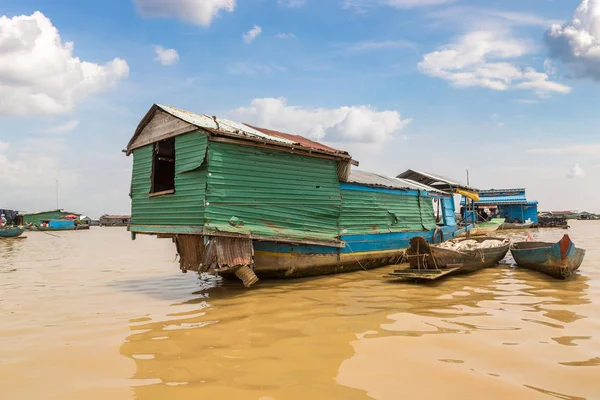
231, 128
220, 124
507, 191
377, 180
297, 139
437, 181
517, 199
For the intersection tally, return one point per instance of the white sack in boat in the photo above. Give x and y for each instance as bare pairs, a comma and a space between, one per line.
470, 244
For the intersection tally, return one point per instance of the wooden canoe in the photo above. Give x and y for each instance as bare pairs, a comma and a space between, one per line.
559, 260
12, 232
513, 225
426, 260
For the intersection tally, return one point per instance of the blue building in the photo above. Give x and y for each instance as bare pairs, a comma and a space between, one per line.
511, 204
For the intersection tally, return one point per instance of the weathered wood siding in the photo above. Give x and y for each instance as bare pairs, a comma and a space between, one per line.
186, 205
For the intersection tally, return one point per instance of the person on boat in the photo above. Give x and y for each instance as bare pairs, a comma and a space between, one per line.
2, 220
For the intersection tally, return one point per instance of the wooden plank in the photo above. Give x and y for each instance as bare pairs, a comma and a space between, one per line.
426, 274
162, 126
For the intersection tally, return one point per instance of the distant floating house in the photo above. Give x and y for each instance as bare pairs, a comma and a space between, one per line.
511, 204
115, 220
36, 218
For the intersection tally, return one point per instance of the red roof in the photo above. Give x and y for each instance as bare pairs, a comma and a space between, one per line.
301, 140
561, 212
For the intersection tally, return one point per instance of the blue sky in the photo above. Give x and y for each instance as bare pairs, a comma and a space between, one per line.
507, 89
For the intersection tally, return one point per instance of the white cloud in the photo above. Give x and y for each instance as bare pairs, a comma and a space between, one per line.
575, 172
63, 128
360, 6
475, 18
415, 3
38, 72
356, 124
291, 3
3, 146
198, 12
251, 68
285, 36
380, 45
577, 43
587, 148
166, 56
485, 59
252, 34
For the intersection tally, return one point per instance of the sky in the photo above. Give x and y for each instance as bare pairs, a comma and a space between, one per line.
506, 89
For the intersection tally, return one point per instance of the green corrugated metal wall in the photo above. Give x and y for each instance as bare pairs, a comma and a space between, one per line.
36, 218
186, 205
374, 212
273, 193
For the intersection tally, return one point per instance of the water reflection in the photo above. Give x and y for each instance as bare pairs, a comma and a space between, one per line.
291, 337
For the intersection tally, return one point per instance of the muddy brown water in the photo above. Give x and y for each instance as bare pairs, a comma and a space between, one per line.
94, 315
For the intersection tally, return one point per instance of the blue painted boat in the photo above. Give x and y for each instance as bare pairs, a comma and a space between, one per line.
57, 225
559, 260
11, 232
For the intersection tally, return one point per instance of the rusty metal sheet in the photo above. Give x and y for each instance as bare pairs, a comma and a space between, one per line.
229, 252
299, 140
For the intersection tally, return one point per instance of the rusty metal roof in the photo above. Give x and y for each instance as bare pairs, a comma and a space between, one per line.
299, 140
222, 126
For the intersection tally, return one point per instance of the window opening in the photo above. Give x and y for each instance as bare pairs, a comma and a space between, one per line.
163, 167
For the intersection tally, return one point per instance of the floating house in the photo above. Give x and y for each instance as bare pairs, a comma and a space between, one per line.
38, 217
511, 204
238, 199
115, 220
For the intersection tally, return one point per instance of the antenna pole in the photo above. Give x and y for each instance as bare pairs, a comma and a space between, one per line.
57, 194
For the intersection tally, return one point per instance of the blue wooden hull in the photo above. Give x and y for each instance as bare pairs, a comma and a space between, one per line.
279, 260
11, 232
559, 260
57, 225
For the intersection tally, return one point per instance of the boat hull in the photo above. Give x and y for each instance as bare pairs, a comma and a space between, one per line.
558, 260
362, 252
298, 265
469, 260
12, 232
509, 225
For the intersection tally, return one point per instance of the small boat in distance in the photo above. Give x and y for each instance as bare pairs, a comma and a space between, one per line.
559, 260
515, 225
482, 228
57, 225
459, 256
11, 232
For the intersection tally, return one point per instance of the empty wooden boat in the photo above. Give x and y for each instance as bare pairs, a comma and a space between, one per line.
458, 256
559, 260
514, 225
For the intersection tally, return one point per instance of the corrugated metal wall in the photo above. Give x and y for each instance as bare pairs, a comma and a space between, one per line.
449, 210
271, 193
186, 205
366, 212
36, 218
519, 212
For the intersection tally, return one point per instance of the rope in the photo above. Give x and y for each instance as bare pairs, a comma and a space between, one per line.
357, 260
